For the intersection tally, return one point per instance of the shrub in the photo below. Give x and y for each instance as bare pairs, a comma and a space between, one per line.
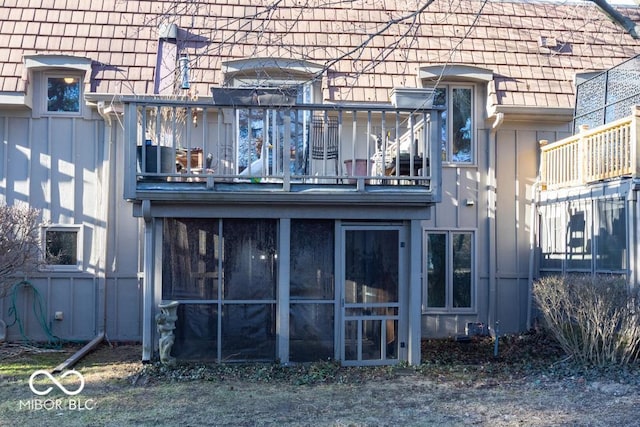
595, 319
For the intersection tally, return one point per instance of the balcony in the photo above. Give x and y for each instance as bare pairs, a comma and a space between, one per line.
606, 152
278, 151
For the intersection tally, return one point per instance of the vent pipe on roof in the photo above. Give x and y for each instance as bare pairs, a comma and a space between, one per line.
548, 42
168, 32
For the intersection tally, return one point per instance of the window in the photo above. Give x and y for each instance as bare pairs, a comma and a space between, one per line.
584, 235
551, 238
263, 87
62, 246
63, 93
224, 274
456, 122
611, 235
449, 271
312, 289
579, 236
261, 131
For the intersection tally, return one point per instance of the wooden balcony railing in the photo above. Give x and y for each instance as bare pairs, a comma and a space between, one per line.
606, 152
186, 146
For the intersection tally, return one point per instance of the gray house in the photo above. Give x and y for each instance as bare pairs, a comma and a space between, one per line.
308, 182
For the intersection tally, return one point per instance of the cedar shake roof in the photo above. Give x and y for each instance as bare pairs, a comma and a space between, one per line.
121, 39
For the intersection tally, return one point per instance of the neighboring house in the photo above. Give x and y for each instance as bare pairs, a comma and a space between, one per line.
309, 181
588, 197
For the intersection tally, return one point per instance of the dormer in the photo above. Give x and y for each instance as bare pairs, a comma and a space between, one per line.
56, 84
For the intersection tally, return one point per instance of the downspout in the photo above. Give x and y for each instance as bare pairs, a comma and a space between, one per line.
632, 239
148, 282
104, 193
491, 217
532, 248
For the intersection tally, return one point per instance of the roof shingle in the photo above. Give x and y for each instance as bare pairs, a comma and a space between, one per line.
497, 35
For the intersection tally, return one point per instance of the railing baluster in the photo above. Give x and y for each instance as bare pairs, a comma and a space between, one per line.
368, 138
228, 137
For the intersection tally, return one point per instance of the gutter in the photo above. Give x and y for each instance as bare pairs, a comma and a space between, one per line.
525, 113
627, 24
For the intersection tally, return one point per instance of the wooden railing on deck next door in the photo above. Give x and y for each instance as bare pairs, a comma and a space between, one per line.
606, 152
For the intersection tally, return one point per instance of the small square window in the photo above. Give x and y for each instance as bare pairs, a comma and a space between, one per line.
62, 246
63, 94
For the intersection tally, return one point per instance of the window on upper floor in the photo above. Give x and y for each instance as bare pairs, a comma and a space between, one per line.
456, 119
262, 87
459, 91
449, 271
63, 93
263, 127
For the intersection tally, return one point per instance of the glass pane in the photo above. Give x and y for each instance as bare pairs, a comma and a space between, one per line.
311, 332
351, 340
551, 238
371, 274
312, 259
371, 339
262, 133
371, 311
248, 332
436, 270
462, 125
390, 339
440, 100
461, 269
251, 135
196, 333
298, 135
579, 237
611, 235
250, 259
63, 94
62, 247
190, 259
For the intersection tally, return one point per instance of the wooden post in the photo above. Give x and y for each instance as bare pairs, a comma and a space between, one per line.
582, 164
634, 139
544, 176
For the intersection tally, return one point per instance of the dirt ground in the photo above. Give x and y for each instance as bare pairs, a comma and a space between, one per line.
528, 384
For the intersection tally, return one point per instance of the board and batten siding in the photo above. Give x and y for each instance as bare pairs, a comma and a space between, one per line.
517, 163
502, 272
55, 164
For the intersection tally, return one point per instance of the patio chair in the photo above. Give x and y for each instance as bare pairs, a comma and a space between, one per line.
324, 143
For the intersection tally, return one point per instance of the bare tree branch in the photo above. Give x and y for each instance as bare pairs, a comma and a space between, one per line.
626, 23
20, 252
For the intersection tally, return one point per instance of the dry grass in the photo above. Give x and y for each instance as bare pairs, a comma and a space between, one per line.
459, 384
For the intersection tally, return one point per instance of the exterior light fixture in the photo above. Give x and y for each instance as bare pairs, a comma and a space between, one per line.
69, 80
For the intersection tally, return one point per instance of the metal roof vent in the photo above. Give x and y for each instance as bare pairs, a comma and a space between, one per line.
548, 42
168, 31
